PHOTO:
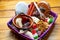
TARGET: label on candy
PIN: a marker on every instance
(35, 19)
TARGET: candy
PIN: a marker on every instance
(35, 34)
(42, 25)
(21, 7)
(35, 19)
(19, 22)
(21, 31)
(28, 33)
(46, 24)
(34, 26)
(33, 31)
(49, 20)
(36, 29)
(40, 28)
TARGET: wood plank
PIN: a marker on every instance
(11, 4)
(7, 35)
(3, 23)
(7, 13)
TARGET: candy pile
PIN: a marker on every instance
(40, 16)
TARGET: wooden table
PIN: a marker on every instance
(7, 12)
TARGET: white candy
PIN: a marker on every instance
(19, 22)
(35, 19)
(29, 34)
(36, 29)
(21, 31)
(21, 7)
(35, 34)
(48, 19)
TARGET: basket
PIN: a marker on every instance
(15, 30)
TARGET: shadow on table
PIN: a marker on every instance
(15, 37)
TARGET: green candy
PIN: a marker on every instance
(50, 20)
(36, 37)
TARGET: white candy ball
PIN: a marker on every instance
(29, 34)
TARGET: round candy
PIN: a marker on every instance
(51, 20)
(34, 26)
(33, 31)
(35, 36)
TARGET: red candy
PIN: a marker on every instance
(34, 26)
(33, 31)
(45, 20)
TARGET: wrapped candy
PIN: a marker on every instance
(28, 33)
(19, 22)
(21, 7)
(35, 19)
(34, 26)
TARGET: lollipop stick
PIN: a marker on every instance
(41, 14)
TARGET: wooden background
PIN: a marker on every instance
(7, 12)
